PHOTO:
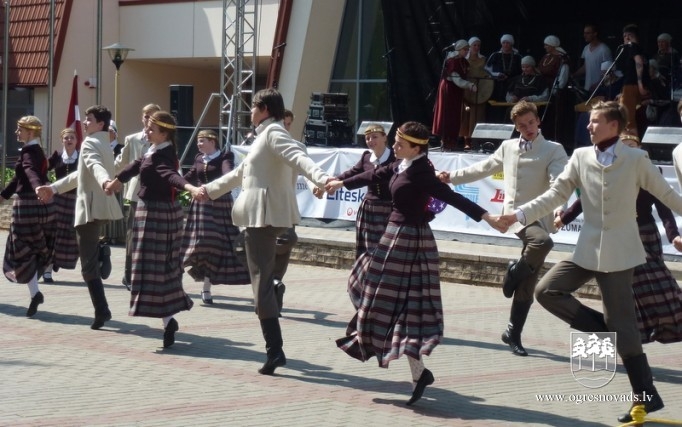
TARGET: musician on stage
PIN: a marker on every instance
(529, 86)
(555, 70)
(475, 103)
(503, 66)
(449, 107)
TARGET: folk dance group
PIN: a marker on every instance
(394, 284)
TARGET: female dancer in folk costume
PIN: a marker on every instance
(30, 240)
(65, 246)
(209, 237)
(375, 208)
(658, 298)
(398, 300)
(156, 277)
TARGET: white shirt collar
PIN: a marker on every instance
(209, 157)
(69, 159)
(607, 156)
(154, 148)
(35, 141)
(113, 143)
(384, 156)
(406, 163)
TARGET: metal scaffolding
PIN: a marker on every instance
(238, 65)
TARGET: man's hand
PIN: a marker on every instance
(44, 193)
(444, 177)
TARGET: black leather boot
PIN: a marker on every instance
(99, 302)
(517, 319)
(279, 289)
(104, 261)
(589, 320)
(642, 382)
(273, 345)
(517, 271)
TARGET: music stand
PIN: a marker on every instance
(660, 142)
(493, 134)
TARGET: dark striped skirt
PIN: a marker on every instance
(370, 225)
(399, 308)
(114, 231)
(65, 244)
(30, 240)
(208, 245)
(658, 298)
(156, 274)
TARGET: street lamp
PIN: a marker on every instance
(118, 53)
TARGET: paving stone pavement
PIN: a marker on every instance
(56, 371)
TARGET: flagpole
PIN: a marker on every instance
(5, 95)
(50, 83)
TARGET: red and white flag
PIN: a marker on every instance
(73, 118)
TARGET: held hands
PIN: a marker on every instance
(558, 223)
(198, 193)
(111, 187)
(44, 193)
(494, 222)
(333, 184)
(509, 219)
(443, 176)
(677, 243)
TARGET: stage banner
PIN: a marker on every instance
(488, 192)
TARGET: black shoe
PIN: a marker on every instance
(169, 333)
(105, 261)
(99, 320)
(125, 282)
(272, 363)
(425, 379)
(650, 406)
(33, 307)
(47, 277)
(514, 344)
(206, 297)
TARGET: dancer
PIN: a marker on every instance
(208, 240)
(398, 302)
(30, 241)
(94, 207)
(66, 246)
(156, 273)
(658, 298)
(134, 147)
(530, 164)
(267, 207)
(609, 176)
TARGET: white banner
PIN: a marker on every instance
(488, 192)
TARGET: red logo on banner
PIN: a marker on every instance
(498, 197)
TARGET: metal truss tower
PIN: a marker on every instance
(238, 65)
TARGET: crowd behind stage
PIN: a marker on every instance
(475, 88)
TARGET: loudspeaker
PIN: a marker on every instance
(182, 104)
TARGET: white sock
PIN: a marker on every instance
(207, 284)
(166, 320)
(416, 368)
(33, 285)
(48, 269)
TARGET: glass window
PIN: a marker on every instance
(360, 66)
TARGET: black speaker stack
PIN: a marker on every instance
(328, 122)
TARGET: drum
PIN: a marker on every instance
(485, 87)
